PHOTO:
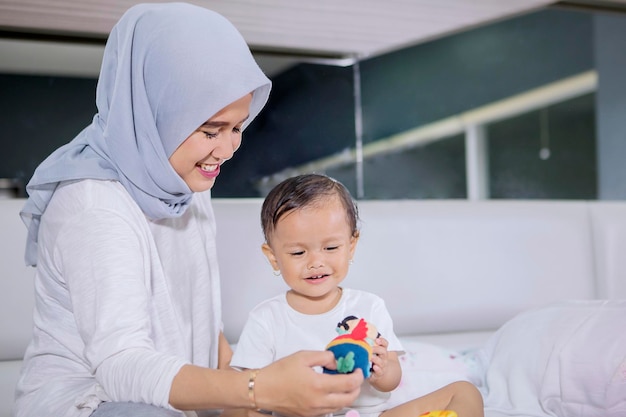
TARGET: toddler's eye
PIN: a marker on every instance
(330, 248)
(297, 253)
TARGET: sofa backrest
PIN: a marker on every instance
(441, 266)
(609, 234)
(16, 283)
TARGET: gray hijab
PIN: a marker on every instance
(167, 68)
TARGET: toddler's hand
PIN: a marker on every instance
(379, 358)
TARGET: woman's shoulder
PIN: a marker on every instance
(93, 186)
(78, 197)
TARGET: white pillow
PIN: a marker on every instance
(567, 359)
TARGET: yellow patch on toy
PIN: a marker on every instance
(439, 413)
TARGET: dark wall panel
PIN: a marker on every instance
(37, 115)
(428, 82)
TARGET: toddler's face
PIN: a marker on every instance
(312, 247)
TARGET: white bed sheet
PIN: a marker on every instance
(434, 360)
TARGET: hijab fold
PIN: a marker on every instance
(167, 68)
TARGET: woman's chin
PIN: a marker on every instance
(202, 185)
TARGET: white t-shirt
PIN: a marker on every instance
(275, 330)
(122, 302)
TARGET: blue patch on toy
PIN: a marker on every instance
(350, 355)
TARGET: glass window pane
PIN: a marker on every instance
(435, 170)
(567, 130)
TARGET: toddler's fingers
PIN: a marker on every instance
(381, 341)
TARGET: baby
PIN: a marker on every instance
(310, 224)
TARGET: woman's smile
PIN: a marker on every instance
(209, 170)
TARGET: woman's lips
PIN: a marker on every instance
(209, 170)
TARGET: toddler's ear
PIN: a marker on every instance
(353, 242)
(269, 254)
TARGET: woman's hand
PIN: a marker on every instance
(291, 386)
(386, 371)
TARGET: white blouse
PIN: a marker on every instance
(122, 302)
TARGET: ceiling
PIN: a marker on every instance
(279, 31)
(65, 37)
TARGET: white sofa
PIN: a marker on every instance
(451, 272)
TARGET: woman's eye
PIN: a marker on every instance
(210, 135)
(236, 130)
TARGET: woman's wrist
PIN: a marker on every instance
(251, 388)
(197, 388)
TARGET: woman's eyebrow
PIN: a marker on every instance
(218, 123)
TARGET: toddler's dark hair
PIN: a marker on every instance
(304, 191)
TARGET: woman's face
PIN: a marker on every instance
(198, 159)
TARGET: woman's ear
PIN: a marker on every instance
(269, 254)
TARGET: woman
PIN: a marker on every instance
(127, 315)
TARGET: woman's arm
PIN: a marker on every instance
(100, 255)
(225, 353)
(288, 386)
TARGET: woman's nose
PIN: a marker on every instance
(227, 147)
